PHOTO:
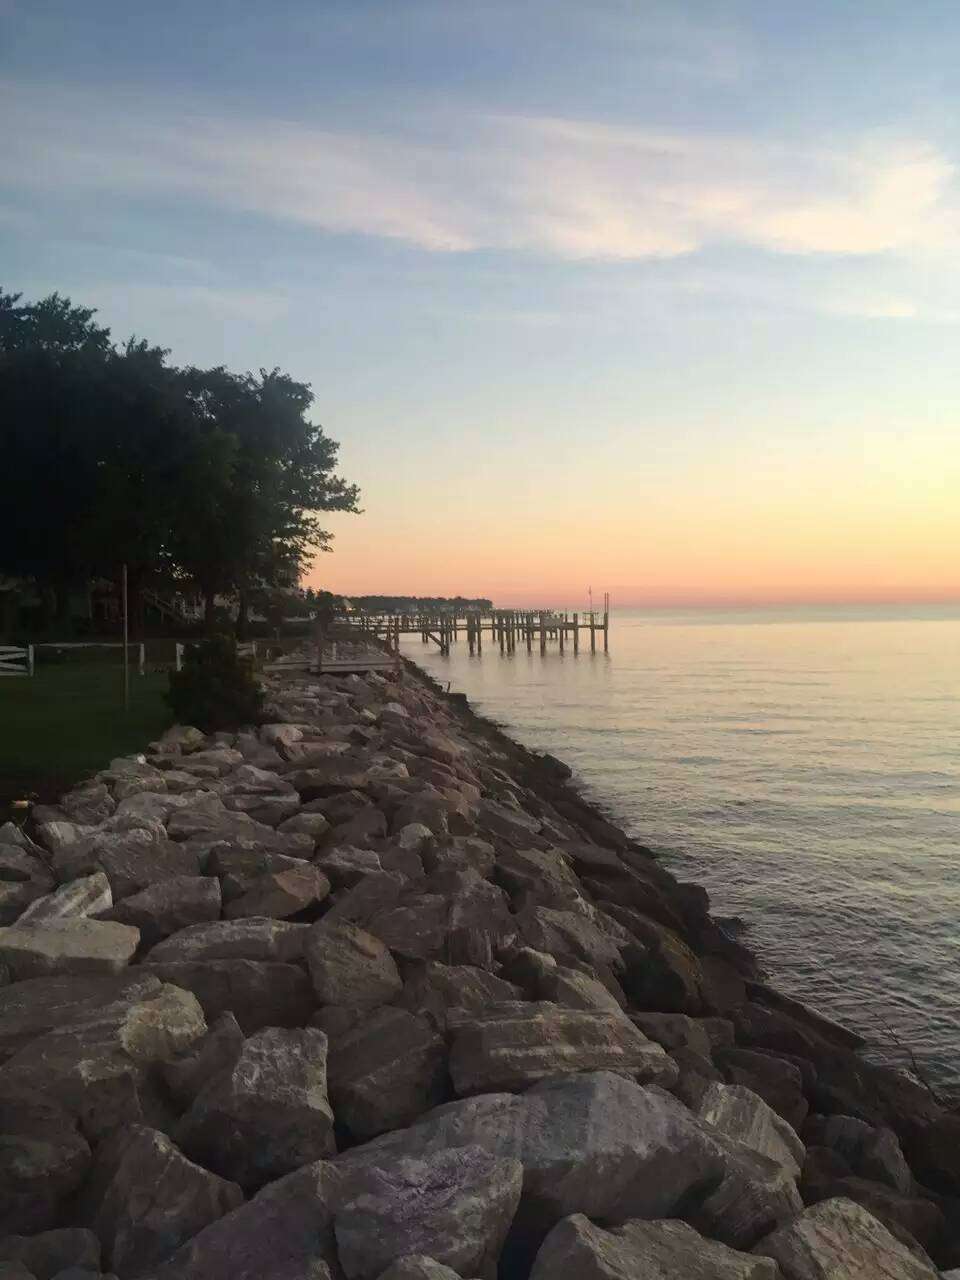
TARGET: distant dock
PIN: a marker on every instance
(503, 629)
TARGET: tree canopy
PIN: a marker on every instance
(113, 455)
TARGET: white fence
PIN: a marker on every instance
(16, 662)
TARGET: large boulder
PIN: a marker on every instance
(454, 1206)
(248, 939)
(595, 1143)
(514, 1045)
(257, 994)
(284, 1233)
(76, 945)
(43, 1161)
(839, 1240)
(132, 864)
(754, 1195)
(741, 1114)
(437, 990)
(576, 1249)
(416, 1266)
(585, 935)
(99, 1063)
(31, 1008)
(385, 1071)
(168, 906)
(375, 893)
(416, 930)
(146, 1198)
(268, 1114)
(280, 894)
(777, 1080)
(349, 966)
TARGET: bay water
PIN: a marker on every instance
(801, 764)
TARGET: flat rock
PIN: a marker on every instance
(839, 1240)
(416, 930)
(754, 1196)
(675, 1031)
(576, 1249)
(774, 1079)
(285, 1232)
(315, 825)
(135, 865)
(269, 1114)
(50, 1252)
(577, 990)
(250, 939)
(16, 897)
(349, 966)
(169, 906)
(146, 1199)
(573, 936)
(743, 1115)
(43, 1160)
(192, 1069)
(280, 894)
(519, 1044)
(88, 896)
(67, 946)
(258, 994)
(385, 1071)
(18, 864)
(454, 1206)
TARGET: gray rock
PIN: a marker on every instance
(43, 1160)
(15, 898)
(375, 893)
(49, 1253)
(872, 1153)
(257, 994)
(146, 1199)
(508, 824)
(190, 1071)
(17, 1271)
(538, 877)
(385, 1071)
(280, 894)
(573, 936)
(480, 924)
(18, 865)
(31, 1008)
(67, 946)
(269, 1114)
(754, 1195)
(179, 739)
(777, 1081)
(99, 1065)
(454, 1206)
(57, 834)
(250, 939)
(515, 1045)
(133, 865)
(284, 1233)
(415, 1266)
(839, 1240)
(347, 866)
(741, 1114)
(88, 896)
(240, 869)
(350, 967)
(434, 990)
(169, 906)
(596, 1143)
(675, 1031)
(315, 825)
(464, 853)
(576, 1249)
(577, 990)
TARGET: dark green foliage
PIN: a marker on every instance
(216, 689)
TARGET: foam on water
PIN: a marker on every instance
(804, 766)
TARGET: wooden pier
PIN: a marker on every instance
(505, 629)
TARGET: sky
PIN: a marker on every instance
(655, 298)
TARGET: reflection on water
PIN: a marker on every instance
(804, 766)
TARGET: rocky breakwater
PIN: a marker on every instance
(371, 993)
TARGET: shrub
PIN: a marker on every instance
(216, 688)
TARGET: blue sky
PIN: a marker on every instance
(657, 296)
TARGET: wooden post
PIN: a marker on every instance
(593, 632)
(606, 622)
(30, 659)
(543, 634)
(561, 624)
(178, 655)
(576, 633)
(141, 659)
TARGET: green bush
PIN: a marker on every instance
(216, 688)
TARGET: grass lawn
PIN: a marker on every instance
(68, 721)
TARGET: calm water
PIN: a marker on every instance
(804, 766)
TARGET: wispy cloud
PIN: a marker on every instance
(563, 188)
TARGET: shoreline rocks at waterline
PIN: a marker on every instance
(370, 992)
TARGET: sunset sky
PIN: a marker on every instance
(658, 298)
